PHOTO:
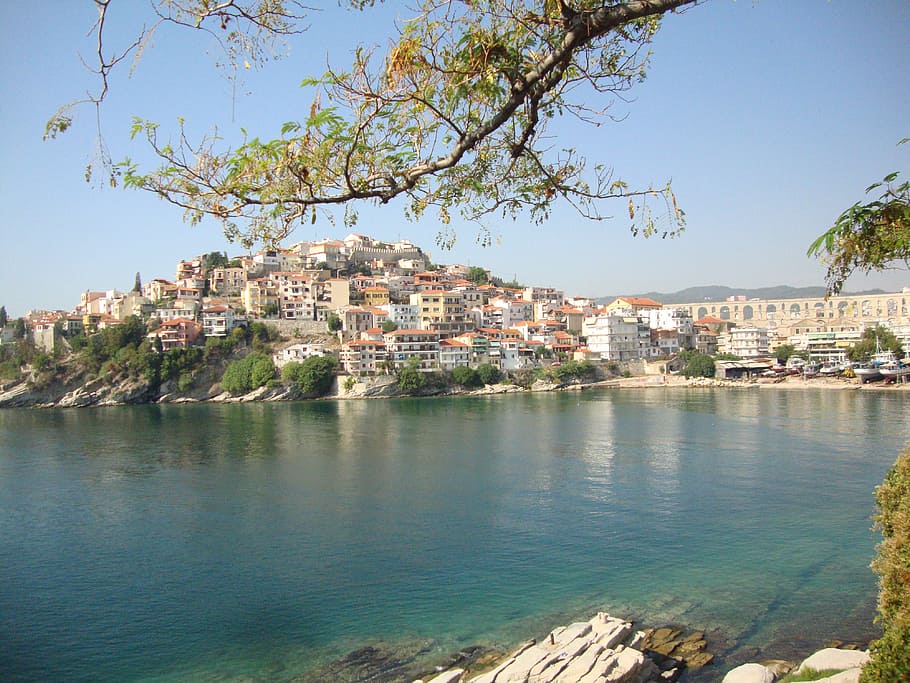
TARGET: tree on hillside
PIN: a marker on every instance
(867, 237)
(3, 316)
(333, 322)
(137, 283)
(454, 118)
(312, 377)
(477, 275)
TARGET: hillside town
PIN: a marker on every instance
(377, 307)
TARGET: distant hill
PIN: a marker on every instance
(720, 293)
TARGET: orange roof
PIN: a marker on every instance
(364, 342)
(452, 342)
(639, 301)
(709, 320)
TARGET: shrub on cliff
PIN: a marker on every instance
(410, 378)
(252, 372)
(891, 654)
(466, 377)
(489, 374)
(312, 377)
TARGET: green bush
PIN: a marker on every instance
(312, 377)
(410, 378)
(891, 653)
(466, 377)
(489, 374)
(261, 371)
(252, 372)
(699, 365)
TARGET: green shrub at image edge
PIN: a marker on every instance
(891, 653)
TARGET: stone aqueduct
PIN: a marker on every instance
(868, 308)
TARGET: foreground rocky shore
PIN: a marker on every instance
(610, 650)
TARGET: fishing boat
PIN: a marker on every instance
(830, 369)
(873, 369)
(894, 369)
(866, 372)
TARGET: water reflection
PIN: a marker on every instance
(270, 530)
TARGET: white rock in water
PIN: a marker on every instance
(749, 673)
(833, 658)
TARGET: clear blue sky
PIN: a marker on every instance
(771, 117)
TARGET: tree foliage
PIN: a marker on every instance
(699, 365)
(891, 653)
(477, 275)
(783, 352)
(311, 377)
(489, 374)
(466, 377)
(244, 375)
(867, 237)
(455, 118)
(573, 370)
(3, 316)
(410, 378)
(333, 322)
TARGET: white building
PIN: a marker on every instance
(296, 353)
(614, 337)
(748, 342)
(405, 316)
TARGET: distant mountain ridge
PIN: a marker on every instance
(717, 293)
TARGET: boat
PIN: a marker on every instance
(866, 371)
(873, 368)
(810, 369)
(830, 369)
(894, 369)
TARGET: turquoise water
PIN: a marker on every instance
(221, 542)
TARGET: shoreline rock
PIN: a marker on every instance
(604, 648)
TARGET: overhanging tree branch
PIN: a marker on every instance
(456, 117)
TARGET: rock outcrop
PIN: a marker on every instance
(604, 649)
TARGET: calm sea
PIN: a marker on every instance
(261, 541)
